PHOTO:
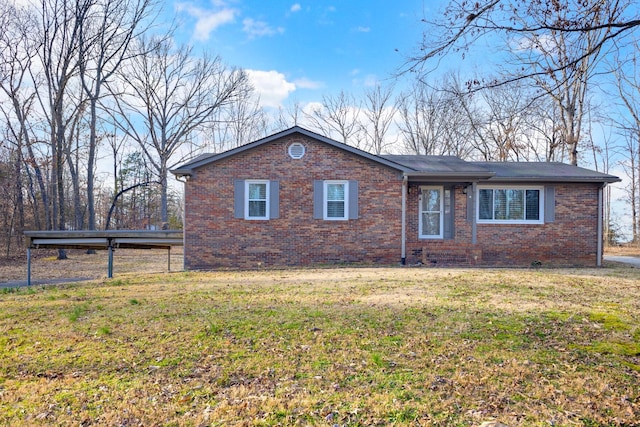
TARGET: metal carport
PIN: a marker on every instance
(101, 240)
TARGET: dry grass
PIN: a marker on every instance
(45, 265)
(368, 346)
(624, 250)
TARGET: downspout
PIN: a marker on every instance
(405, 185)
(187, 178)
(474, 230)
(600, 219)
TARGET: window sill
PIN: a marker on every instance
(510, 222)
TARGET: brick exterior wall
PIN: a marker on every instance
(214, 238)
(570, 240)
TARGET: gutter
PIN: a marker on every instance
(557, 179)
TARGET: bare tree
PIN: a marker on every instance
(546, 127)
(506, 128)
(627, 73)
(435, 120)
(60, 94)
(338, 118)
(17, 52)
(167, 96)
(104, 39)
(557, 45)
(288, 117)
(421, 124)
(630, 166)
(567, 86)
(242, 121)
(465, 23)
(379, 108)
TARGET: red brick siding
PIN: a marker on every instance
(571, 240)
(214, 238)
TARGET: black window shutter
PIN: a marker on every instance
(238, 198)
(549, 203)
(318, 199)
(274, 199)
(353, 200)
(471, 198)
(448, 199)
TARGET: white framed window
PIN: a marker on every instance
(256, 199)
(336, 200)
(510, 205)
(431, 204)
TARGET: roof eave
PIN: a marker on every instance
(181, 172)
(450, 176)
(592, 180)
(188, 168)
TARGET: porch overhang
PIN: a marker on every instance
(458, 177)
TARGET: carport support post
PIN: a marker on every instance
(29, 266)
(169, 258)
(110, 266)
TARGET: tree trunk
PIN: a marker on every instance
(164, 199)
(91, 160)
(59, 178)
(44, 195)
(19, 196)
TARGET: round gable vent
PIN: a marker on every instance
(296, 150)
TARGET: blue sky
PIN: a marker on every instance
(297, 51)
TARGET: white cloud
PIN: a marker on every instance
(295, 7)
(305, 83)
(272, 87)
(259, 28)
(362, 29)
(310, 107)
(543, 43)
(371, 80)
(207, 21)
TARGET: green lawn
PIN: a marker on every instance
(357, 346)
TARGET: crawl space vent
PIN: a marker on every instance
(296, 150)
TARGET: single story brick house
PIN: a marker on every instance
(298, 198)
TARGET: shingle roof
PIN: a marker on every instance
(440, 166)
(444, 168)
(451, 167)
(544, 172)
(188, 168)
